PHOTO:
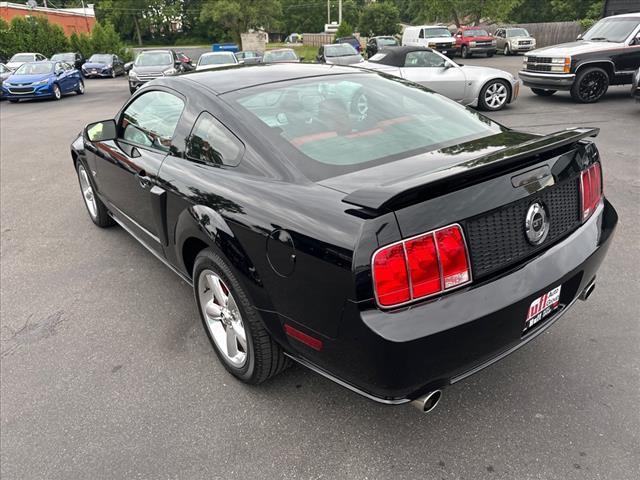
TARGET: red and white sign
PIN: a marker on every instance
(542, 306)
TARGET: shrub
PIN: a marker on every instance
(380, 18)
(344, 30)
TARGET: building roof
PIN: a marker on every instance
(84, 12)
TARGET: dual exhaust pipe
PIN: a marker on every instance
(427, 402)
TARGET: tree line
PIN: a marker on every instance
(205, 21)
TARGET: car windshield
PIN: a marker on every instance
(517, 32)
(475, 33)
(22, 57)
(35, 68)
(64, 57)
(147, 59)
(612, 29)
(436, 32)
(280, 56)
(101, 58)
(217, 59)
(333, 125)
(387, 42)
(340, 50)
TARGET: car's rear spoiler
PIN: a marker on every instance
(387, 195)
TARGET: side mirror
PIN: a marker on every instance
(128, 66)
(579, 37)
(101, 131)
(59, 72)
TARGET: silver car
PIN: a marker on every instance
(514, 40)
(481, 87)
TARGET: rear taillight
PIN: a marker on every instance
(421, 266)
(590, 190)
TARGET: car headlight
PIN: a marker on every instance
(494, 42)
(133, 74)
(41, 82)
(472, 44)
(170, 71)
(561, 64)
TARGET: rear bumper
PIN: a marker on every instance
(395, 356)
(547, 81)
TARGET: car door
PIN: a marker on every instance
(61, 76)
(627, 60)
(118, 65)
(500, 38)
(128, 166)
(430, 69)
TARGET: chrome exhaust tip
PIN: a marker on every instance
(428, 402)
(586, 293)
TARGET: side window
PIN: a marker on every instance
(210, 142)
(151, 119)
(423, 59)
(421, 33)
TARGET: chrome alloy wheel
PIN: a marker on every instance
(496, 95)
(87, 192)
(222, 318)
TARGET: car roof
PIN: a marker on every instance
(209, 54)
(245, 76)
(281, 50)
(394, 56)
(471, 27)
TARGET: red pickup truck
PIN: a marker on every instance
(470, 40)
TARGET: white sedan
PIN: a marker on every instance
(216, 60)
(481, 87)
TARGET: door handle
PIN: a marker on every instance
(143, 180)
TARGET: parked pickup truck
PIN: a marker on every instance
(607, 54)
(470, 40)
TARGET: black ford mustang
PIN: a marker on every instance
(364, 226)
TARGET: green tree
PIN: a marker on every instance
(380, 18)
(34, 34)
(238, 16)
(344, 30)
(463, 12)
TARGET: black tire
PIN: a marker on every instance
(13, 100)
(482, 102)
(264, 357)
(101, 217)
(489, 54)
(542, 92)
(57, 93)
(590, 85)
(507, 50)
(464, 52)
(80, 88)
(132, 90)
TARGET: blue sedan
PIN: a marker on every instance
(42, 80)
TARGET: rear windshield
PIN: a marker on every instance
(387, 42)
(64, 57)
(343, 123)
(279, 56)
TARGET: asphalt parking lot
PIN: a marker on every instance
(107, 373)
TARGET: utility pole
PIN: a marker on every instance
(328, 12)
(339, 12)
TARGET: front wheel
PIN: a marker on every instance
(57, 93)
(494, 95)
(232, 324)
(80, 88)
(507, 51)
(590, 85)
(465, 52)
(113, 73)
(542, 92)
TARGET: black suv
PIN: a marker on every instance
(607, 54)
